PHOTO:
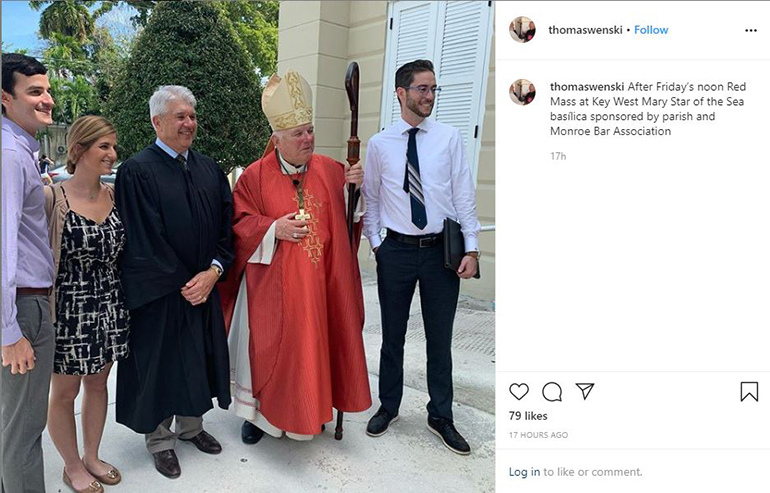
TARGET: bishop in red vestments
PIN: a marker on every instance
(293, 303)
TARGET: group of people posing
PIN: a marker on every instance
(251, 296)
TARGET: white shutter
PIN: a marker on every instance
(457, 37)
(411, 37)
(462, 67)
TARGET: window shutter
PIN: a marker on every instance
(462, 65)
(412, 38)
(456, 36)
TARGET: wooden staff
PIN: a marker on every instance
(354, 146)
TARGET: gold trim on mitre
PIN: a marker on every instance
(287, 102)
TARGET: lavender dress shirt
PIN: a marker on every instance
(27, 256)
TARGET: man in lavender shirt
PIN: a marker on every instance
(27, 273)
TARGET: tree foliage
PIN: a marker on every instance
(255, 23)
(142, 8)
(8, 48)
(65, 57)
(68, 17)
(74, 97)
(257, 26)
(79, 57)
(194, 45)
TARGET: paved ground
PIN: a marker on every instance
(408, 458)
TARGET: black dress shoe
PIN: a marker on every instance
(167, 464)
(379, 423)
(250, 434)
(445, 429)
(205, 443)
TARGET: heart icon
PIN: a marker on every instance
(518, 390)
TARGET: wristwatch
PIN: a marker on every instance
(217, 269)
(474, 254)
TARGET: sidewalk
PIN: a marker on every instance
(408, 458)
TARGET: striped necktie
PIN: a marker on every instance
(181, 159)
(412, 182)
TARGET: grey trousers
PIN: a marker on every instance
(163, 438)
(25, 401)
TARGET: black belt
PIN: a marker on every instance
(422, 241)
(33, 291)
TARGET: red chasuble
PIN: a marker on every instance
(306, 310)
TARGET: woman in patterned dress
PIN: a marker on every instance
(91, 321)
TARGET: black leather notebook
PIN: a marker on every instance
(454, 246)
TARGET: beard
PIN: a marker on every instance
(413, 105)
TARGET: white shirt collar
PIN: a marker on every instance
(404, 127)
(287, 167)
(171, 152)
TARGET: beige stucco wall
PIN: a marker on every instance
(319, 39)
(313, 38)
(485, 193)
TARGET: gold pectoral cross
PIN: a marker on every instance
(302, 216)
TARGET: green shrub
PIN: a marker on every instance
(193, 45)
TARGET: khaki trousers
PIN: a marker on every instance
(164, 439)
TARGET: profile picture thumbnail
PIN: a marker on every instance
(522, 29)
(522, 92)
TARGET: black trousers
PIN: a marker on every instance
(399, 268)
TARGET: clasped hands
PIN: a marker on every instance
(294, 230)
(289, 229)
(197, 289)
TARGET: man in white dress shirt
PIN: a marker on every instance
(417, 175)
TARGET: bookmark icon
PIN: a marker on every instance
(750, 389)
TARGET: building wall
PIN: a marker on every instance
(54, 139)
(485, 194)
(319, 39)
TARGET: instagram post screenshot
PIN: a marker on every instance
(633, 246)
(260, 246)
(248, 246)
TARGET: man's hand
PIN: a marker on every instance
(354, 175)
(468, 267)
(289, 229)
(197, 289)
(19, 356)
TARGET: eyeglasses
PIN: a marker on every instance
(423, 90)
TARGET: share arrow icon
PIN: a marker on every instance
(585, 388)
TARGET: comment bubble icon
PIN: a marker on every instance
(552, 392)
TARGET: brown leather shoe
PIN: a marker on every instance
(112, 477)
(167, 464)
(94, 487)
(205, 443)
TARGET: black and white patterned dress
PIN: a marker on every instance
(91, 317)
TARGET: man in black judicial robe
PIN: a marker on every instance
(176, 206)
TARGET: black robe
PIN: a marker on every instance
(176, 223)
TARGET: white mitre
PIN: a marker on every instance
(287, 102)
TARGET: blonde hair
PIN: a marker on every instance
(83, 134)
